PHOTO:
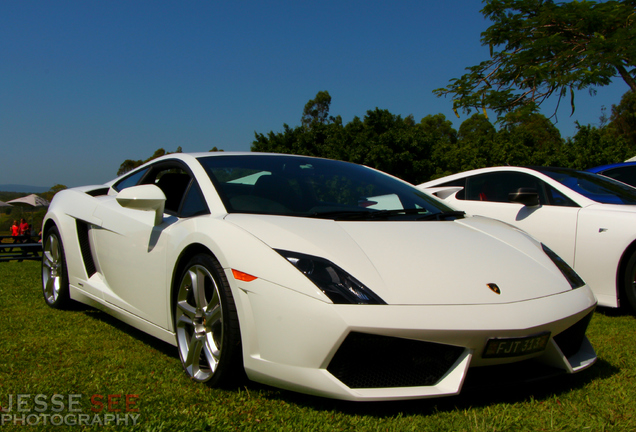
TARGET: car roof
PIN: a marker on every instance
(602, 168)
(480, 171)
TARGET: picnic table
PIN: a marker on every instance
(20, 248)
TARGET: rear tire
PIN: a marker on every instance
(54, 271)
(629, 283)
(206, 324)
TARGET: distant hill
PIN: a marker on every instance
(23, 188)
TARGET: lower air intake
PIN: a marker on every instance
(570, 340)
(373, 361)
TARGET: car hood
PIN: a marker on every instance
(421, 262)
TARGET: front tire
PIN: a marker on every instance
(54, 271)
(629, 282)
(206, 324)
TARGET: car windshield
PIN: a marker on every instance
(313, 187)
(593, 186)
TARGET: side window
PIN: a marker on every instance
(497, 186)
(626, 174)
(173, 181)
(129, 181)
(556, 198)
(194, 203)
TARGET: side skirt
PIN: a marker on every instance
(122, 315)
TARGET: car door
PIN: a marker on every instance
(131, 249)
(553, 221)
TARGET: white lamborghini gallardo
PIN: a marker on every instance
(314, 275)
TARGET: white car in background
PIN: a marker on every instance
(587, 219)
(314, 275)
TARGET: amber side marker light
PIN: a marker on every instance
(239, 275)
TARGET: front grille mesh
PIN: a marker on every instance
(374, 361)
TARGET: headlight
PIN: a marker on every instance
(571, 276)
(334, 282)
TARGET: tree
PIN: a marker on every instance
(623, 120)
(439, 128)
(381, 140)
(593, 146)
(475, 139)
(158, 153)
(390, 143)
(539, 48)
(317, 110)
(527, 138)
(443, 138)
(51, 192)
(130, 164)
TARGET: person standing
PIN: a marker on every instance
(15, 231)
(24, 227)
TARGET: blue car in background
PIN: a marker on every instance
(623, 171)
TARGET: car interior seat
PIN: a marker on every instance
(174, 186)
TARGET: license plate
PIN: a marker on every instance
(514, 347)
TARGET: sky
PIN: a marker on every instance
(85, 85)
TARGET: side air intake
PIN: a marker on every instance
(85, 247)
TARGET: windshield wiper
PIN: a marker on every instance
(448, 215)
(383, 214)
(365, 214)
(396, 212)
(342, 214)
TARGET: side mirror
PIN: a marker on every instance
(526, 196)
(144, 197)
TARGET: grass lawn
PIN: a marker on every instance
(88, 354)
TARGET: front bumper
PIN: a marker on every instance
(296, 342)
